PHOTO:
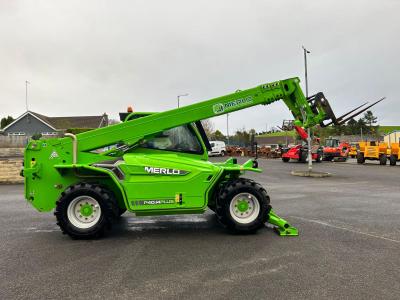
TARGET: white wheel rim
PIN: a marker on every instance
(84, 212)
(244, 213)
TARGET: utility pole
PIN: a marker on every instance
(227, 128)
(308, 129)
(183, 95)
(26, 94)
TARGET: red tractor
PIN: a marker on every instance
(335, 150)
(300, 152)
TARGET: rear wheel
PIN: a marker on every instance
(383, 159)
(243, 206)
(360, 158)
(85, 210)
(285, 159)
(222, 153)
(393, 160)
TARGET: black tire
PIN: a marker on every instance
(222, 153)
(104, 198)
(318, 159)
(360, 158)
(303, 156)
(383, 159)
(285, 159)
(393, 160)
(121, 211)
(227, 194)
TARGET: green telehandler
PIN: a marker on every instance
(157, 164)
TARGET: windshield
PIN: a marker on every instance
(331, 143)
(179, 139)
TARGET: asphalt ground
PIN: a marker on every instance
(348, 248)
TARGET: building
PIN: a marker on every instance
(31, 123)
(392, 137)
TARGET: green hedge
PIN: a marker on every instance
(78, 130)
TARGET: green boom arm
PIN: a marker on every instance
(307, 114)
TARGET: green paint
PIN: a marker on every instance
(86, 210)
(242, 205)
(45, 172)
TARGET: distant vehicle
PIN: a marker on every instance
(300, 152)
(372, 150)
(353, 150)
(218, 148)
(336, 150)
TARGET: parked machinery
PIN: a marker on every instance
(335, 150)
(394, 153)
(372, 150)
(353, 150)
(300, 152)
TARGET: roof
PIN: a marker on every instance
(60, 123)
(73, 122)
(391, 132)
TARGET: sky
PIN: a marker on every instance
(91, 57)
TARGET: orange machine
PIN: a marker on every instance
(334, 149)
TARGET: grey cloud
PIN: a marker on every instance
(90, 57)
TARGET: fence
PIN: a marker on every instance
(13, 141)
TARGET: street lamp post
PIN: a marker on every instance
(26, 93)
(308, 129)
(182, 95)
(227, 129)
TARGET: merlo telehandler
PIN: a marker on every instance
(157, 164)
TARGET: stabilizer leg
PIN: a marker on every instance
(283, 228)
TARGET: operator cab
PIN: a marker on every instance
(190, 138)
(333, 143)
(178, 139)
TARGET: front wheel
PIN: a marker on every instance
(285, 159)
(222, 153)
(383, 159)
(85, 210)
(392, 160)
(243, 206)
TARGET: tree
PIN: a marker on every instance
(6, 121)
(208, 127)
(241, 138)
(218, 136)
(362, 126)
(370, 119)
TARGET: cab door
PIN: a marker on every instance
(168, 172)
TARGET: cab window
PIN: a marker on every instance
(178, 139)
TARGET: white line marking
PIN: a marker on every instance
(346, 229)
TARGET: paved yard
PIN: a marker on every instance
(348, 248)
